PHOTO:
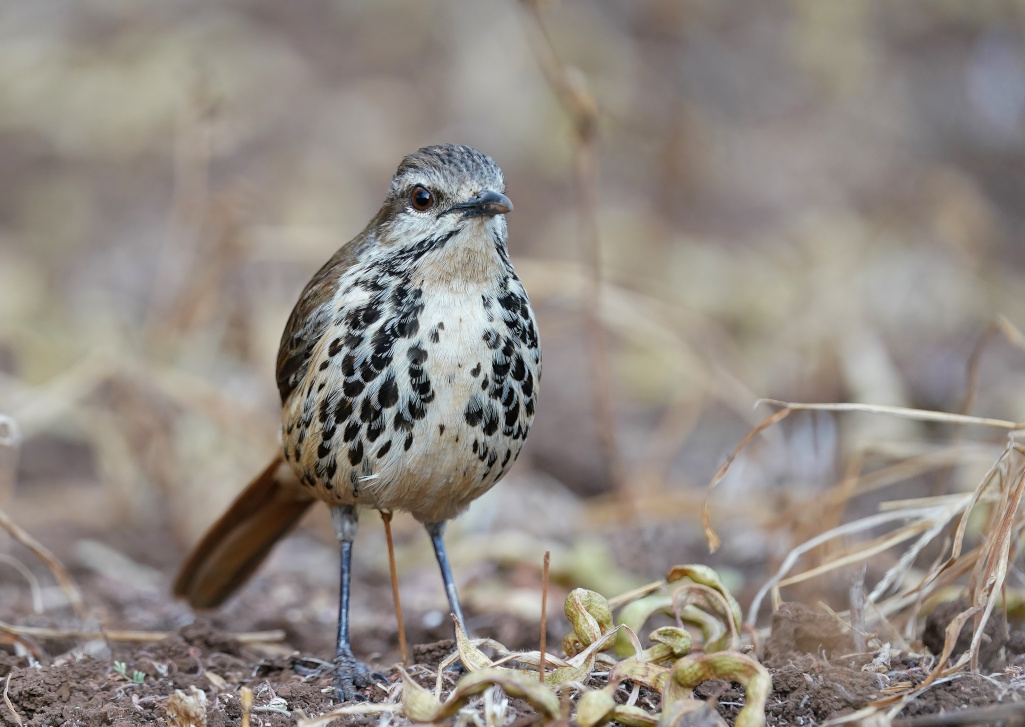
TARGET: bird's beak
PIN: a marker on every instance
(486, 203)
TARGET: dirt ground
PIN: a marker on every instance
(53, 681)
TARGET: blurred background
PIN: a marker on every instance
(802, 200)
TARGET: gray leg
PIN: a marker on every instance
(436, 531)
(350, 674)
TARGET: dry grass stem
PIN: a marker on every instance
(923, 415)
(40, 632)
(923, 521)
(28, 575)
(1009, 715)
(350, 711)
(930, 519)
(706, 517)
(386, 517)
(971, 389)
(544, 615)
(990, 572)
(837, 496)
(7, 700)
(60, 573)
(897, 702)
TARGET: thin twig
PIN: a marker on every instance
(1009, 714)
(348, 711)
(386, 516)
(39, 632)
(67, 585)
(9, 703)
(544, 615)
(706, 517)
(988, 579)
(924, 415)
(864, 524)
(968, 400)
(28, 644)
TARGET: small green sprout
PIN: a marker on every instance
(121, 669)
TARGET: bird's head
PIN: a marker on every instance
(439, 191)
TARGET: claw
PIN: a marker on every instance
(365, 678)
(351, 675)
(341, 695)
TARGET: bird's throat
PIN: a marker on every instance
(471, 258)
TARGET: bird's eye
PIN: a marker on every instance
(421, 199)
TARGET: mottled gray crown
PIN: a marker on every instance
(449, 167)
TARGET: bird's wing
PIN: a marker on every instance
(311, 316)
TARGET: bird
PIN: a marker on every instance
(408, 372)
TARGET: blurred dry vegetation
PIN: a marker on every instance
(814, 201)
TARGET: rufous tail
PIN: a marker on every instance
(235, 545)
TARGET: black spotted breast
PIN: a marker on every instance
(421, 390)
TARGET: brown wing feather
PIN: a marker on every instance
(241, 539)
(311, 315)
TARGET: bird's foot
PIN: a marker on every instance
(456, 670)
(351, 676)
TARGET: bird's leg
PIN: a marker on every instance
(437, 531)
(350, 674)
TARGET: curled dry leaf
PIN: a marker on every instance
(690, 671)
(472, 658)
(599, 706)
(590, 616)
(420, 705)
(719, 633)
(691, 713)
(705, 576)
(703, 601)
(577, 668)
(641, 672)
(635, 614)
(663, 667)
(671, 643)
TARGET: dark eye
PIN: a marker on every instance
(421, 199)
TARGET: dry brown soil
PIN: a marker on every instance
(815, 673)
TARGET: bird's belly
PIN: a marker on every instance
(425, 421)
